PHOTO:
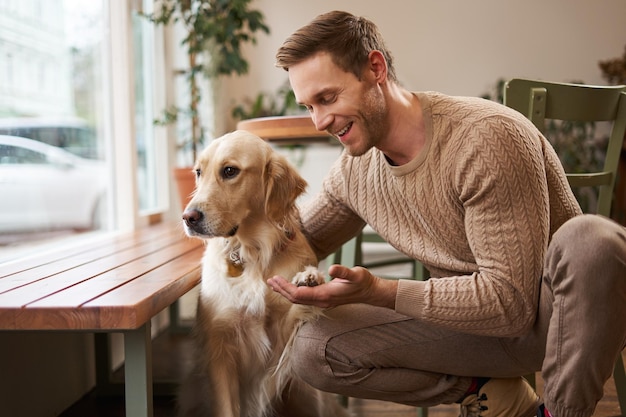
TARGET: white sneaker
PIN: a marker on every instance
(502, 397)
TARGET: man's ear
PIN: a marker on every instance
(378, 66)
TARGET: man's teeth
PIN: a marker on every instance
(344, 130)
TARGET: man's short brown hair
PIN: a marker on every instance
(347, 38)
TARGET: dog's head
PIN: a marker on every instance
(239, 180)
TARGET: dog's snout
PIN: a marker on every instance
(192, 216)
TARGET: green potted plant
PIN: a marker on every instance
(281, 103)
(614, 70)
(215, 31)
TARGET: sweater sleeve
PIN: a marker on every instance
(498, 176)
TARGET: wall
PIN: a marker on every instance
(460, 47)
(455, 47)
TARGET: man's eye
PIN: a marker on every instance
(328, 100)
(229, 172)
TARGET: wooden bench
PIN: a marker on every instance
(115, 284)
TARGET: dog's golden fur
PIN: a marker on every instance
(244, 207)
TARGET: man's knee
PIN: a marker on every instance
(589, 239)
(309, 358)
(586, 248)
(317, 362)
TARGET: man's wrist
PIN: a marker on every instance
(385, 294)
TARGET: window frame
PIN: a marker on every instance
(122, 129)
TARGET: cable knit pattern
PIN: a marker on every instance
(477, 206)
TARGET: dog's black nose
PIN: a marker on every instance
(192, 216)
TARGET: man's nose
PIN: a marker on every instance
(321, 120)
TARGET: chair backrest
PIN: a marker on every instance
(540, 100)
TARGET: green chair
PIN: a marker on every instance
(541, 100)
(354, 253)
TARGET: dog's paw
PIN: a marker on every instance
(310, 277)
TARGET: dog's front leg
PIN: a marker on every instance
(226, 387)
(216, 357)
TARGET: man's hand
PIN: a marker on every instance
(355, 285)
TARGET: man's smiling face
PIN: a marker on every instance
(352, 110)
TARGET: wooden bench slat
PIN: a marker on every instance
(102, 245)
(135, 292)
(69, 258)
(163, 292)
(117, 284)
(88, 290)
(123, 308)
(46, 279)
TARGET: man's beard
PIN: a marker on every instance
(373, 116)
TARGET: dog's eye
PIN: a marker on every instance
(230, 172)
(198, 172)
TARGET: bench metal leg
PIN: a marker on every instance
(138, 372)
(103, 361)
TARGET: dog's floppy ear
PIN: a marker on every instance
(284, 185)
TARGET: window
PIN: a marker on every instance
(150, 141)
(71, 112)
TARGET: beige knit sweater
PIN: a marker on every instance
(477, 207)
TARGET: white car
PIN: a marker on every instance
(43, 187)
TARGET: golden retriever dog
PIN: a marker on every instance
(244, 206)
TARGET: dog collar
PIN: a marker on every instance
(235, 264)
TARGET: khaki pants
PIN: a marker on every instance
(370, 352)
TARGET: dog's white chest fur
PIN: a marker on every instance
(231, 284)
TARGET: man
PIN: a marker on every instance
(521, 280)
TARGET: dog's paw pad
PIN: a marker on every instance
(310, 277)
